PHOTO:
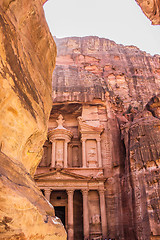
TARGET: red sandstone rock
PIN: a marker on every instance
(126, 80)
(88, 67)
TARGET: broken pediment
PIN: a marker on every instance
(87, 128)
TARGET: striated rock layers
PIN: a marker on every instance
(124, 83)
(27, 55)
(151, 9)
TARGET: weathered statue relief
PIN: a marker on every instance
(76, 156)
(59, 153)
(91, 153)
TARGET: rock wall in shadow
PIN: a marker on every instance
(27, 58)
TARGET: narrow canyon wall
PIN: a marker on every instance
(27, 58)
(127, 81)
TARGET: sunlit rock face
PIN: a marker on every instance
(91, 67)
(93, 71)
(151, 9)
(27, 57)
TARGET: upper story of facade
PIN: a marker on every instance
(77, 139)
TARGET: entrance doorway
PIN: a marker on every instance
(60, 212)
(59, 200)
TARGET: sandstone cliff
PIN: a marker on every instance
(127, 81)
(91, 67)
(27, 56)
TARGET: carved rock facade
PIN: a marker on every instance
(101, 158)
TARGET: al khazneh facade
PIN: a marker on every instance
(71, 173)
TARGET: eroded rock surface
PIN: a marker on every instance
(27, 56)
(91, 67)
(151, 9)
(92, 71)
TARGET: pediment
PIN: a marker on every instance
(59, 175)
(85, 127)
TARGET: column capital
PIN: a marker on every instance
(101, 191)
(67, 140)
(47, 193)
(84, 191)
(83, 139)
(70, 191)
(51, 137)
(98, 139)
(47, 190)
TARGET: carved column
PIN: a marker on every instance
(53, 154)
(99, 153)
(84, 153)
(70, 215)
(47, 193)
(65, 154)
(85, 214)
(103, 213)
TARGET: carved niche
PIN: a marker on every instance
(91, 148)
(59, 152)
(75, 155)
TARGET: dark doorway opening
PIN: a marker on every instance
(78, 215)
(60, 212)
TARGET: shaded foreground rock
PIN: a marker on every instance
(25, 213)
(27, 55)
